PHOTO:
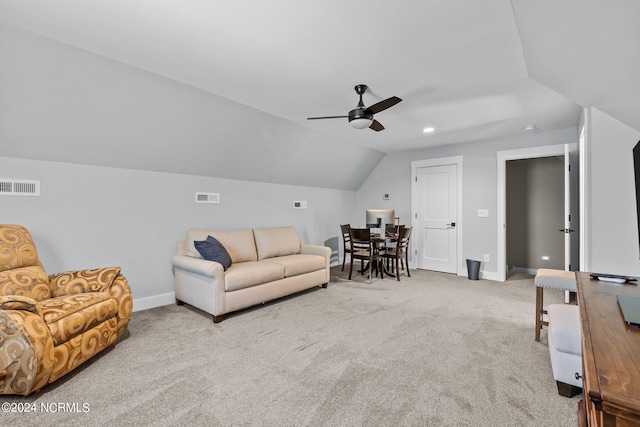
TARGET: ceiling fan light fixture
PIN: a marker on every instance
(361, 123)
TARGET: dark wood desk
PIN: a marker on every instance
(610, 356)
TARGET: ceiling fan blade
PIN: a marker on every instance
(327, 117)
(376, 125)
(382, 105)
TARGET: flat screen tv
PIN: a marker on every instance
(636, 168)
(377, 217)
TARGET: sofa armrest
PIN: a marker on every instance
(316, 250)
(17, 302)
(199, 266)
(322, 251)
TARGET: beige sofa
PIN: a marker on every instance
(267, 263)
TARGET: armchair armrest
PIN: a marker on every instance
(17, 302)
(106, 279)
(27, 348)
(82, 281)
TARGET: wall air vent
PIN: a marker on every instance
(207, 197)
(19, 187)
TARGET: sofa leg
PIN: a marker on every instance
(324, 285)
(217, 319)
(178, 302)
(567, 390)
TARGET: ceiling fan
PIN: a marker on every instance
(362, 117)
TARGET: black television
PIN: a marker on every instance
(636, 168)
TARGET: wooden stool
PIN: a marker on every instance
(553, 279)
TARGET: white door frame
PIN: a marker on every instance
(503, 157)
(443, 161)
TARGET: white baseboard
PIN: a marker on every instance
(154, 301)
(485, 275)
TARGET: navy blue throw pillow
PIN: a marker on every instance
(212, 250)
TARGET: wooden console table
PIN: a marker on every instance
(610, 356)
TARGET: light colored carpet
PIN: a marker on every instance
(432, 350)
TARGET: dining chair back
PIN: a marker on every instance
(362, 249)
(400, 253)
(346, 243)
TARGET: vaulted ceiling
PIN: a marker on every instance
(184, 86)
(458, 65)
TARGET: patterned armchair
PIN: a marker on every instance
(49, 325)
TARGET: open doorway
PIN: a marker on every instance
(569, 152)
(534, 215)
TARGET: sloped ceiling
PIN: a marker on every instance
(457, 64)
(586, 50)
(224, 88)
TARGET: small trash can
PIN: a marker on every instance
(473, 269)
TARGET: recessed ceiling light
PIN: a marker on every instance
(528, 128)
(428, 129)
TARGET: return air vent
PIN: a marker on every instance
(207, 197)
(19, 187)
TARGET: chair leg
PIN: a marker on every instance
(350, 268)
(407, 256)
(539, 298)
(344, 259)
(397, 269)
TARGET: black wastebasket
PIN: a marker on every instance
(473, 269)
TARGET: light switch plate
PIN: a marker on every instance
(483, 213)
(300, 204)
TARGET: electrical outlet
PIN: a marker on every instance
(487, 258)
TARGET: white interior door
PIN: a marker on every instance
(435, 221)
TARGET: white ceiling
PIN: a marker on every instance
(458, 65)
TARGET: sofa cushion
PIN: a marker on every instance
(247, 274)
(275, 242)
(240, 244)
(212, 250)
(31, 282)
(70, 315)
(295, 265)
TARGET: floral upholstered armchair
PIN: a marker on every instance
(49, 325)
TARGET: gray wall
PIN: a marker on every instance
(535, 213)
(479, 189)
(61, 103)
(612, 221)
(89, 216)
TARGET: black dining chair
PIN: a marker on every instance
(346, 243)
(400, 253)
(363, 249)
